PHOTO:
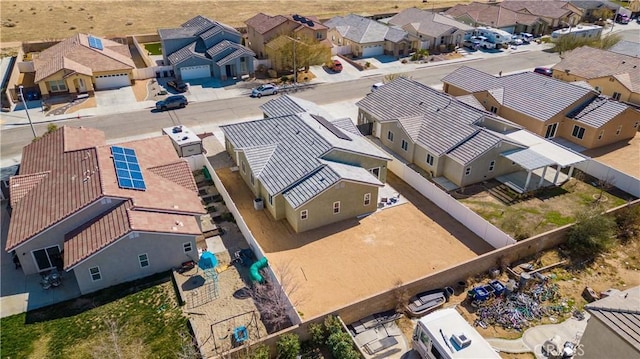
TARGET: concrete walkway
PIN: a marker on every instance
(533, 338)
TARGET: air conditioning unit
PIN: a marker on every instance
(461, 340)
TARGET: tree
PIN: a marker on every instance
(308, 51)
(602, 14)
(288, 346)
(592, 233)
(114, 344)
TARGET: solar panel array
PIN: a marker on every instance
(95, 43)
(128, 170)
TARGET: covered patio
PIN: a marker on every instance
(542, 163)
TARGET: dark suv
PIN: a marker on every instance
(171, 102)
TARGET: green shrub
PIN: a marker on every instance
(288, 346)
(261, 352)
(593, 233)
(317, 334)
(339, 342)
(628, 223)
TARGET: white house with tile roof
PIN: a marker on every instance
(105, 214)
(457, 143)
(308, 170)
(204, 48)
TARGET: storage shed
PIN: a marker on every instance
(185, 141)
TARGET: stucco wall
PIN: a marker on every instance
(420, 160)
(320, 209)
(599, 341)
(55, 234)
(119, 262)
(398, 135)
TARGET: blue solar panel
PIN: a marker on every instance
(127, 168)
(95, 43)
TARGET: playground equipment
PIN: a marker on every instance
(254, 270)
(209, 290)
(235, 331)
(240, 335)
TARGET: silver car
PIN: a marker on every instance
(264, 90)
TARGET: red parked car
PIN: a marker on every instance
(337, 66)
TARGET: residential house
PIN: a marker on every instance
(366, 37)
(612, 74)
(456, 142)
(573, 114)
(262, 29)
(554, 13)
(625, 47)
(428, 30)
(82, 64)
(593, 10)
(307, 169)
(613, 330)
(492, 15)
(103, 214)
(202, 48)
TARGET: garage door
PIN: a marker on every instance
(371, 51)
(105, 82)
(195, 72)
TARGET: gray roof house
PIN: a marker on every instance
(366, 37)
(202, 48)
(307, 169)
(456, 143)
(614, 327)
(427, 29)
(572, 114)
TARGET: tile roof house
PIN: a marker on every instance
(456, 143)
(613, 74)
(588, 9)
(492, 15)
(572, 114)
(614, 327)
(103, 214)
(263, 30)
(367, 37)
(83, 63)
(554, 13)
(307, 169)
(427, 30)
(203, 48)
(624, 47)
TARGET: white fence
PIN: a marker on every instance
(478, 225)
(197, 162)
(340, 50)
(618, 179)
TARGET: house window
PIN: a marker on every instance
(578, 132)
(244, 169)
(304, 214)
(635, 125)
(270, 200)
(616, 96)
(95, 273)
(597, 88)
(375, 171)
(492, 165)
(253, 181)
(618, 130)
(319, 35)
(336, 207)
(429, 159)
(467, 171)
(143, 259)
(390, 136)
(46, 258)
(405, 145)
(494, 109)
(601, 134)
(187, 247)
(367, 199)
(551, 130)
(57, 86)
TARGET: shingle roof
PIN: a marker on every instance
(594, 4)
(311, 186)
(177, 172)
(537, 96)
(471, 101)
(624, 47)
(591, 63)
(75, 55)
(262, 23)
(428, 23)
(491, 15)
(291, 105)
(362, 30)
(185, 53)
(81, 171)
(286, 150)
(21, 185)
(621, 313)
(474, 146)
(551, 9)
(598, 112)
(346, 124)
(236, 51)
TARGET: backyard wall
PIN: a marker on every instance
(474, 222)
(142, 51)
(618, 179)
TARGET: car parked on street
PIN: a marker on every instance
(517, 41)
(525, 37)
(172, 102)
(543, 71)
(264, 90)
(336, 66)
(178, 85)
(472, 44)
(485, 43)
(376, 86)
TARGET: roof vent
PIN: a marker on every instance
(461, 340)
(177, 129)
(296, 17)
(302, 19)
(310, 23)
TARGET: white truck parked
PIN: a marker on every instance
(499, 37)
(444, 334)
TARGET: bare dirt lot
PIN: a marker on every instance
(624, 157)
(345, 262)
(23, 20)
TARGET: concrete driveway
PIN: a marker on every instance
(115, 97)
(323, 74)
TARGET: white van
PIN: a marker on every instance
(376, 86)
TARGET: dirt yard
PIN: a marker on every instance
(21, 20)
(624, 157)
(345, 262)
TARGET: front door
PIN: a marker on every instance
(229, 70)
(47, 258)
(81, 85)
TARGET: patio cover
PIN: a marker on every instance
(540, 152)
